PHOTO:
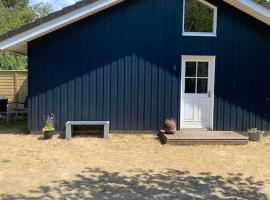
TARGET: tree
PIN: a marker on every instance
(14, 4)
(262, 1)
(13, 14)
(41, 9)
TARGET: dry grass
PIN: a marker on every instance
(130, 167)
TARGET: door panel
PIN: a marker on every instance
(189, 109)
(203, 109)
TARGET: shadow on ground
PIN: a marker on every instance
(172, 184)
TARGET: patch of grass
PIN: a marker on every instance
(18, 125)
(13, 121)
(5, 161)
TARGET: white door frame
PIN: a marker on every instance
(212, 63)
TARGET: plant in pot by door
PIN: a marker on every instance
(170, 126)
(255, 134)
(48, 129)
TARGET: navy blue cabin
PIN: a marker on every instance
(137, 63)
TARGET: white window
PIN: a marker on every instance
(199, 18)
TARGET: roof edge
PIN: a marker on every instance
(54, 24)
(259, 8)
(253, 9)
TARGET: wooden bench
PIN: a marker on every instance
(69, 125)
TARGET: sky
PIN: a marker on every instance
(57, 4)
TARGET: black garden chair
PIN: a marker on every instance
(4, 110)
(20, 108)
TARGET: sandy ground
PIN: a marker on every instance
(130, 167)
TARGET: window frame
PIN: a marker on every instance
(204, 34)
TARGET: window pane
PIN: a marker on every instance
(202, 84)
(202, 69)
(190, 85)
(191, 69)
(198, 17)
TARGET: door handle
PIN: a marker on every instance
(209, 94)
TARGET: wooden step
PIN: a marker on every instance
(203, 138)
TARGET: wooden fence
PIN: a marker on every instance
(14, 85)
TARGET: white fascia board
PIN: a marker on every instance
(259, 12)
(260, 9)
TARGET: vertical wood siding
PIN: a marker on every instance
(118, 65)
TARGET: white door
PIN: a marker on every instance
(197, 92)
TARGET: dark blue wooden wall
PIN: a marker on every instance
(118, 65)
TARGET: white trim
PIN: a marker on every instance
(251, 8)
(204, 34)
(257, 9)
(212, 62)
(201, 34)
(58, 23)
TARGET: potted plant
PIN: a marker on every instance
(255, 134)
(48, 129)
(170, 126)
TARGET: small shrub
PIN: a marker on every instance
(253, 130)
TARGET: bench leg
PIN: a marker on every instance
(106, 130)
(68, 131)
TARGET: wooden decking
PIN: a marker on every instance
(194, 137)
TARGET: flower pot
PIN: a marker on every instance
(256, 136)
(170, 129)
(48, 134)
(170, 126)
